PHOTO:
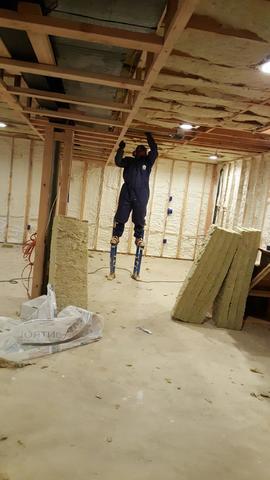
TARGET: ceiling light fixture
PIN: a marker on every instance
(214, 156)
(3, 125)
(265, 66)
(186, 126)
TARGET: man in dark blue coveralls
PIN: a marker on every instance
(134, 194)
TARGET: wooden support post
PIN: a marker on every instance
(66, 164)
(43, 215)
(28, 192)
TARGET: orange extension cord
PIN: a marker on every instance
(28, 250)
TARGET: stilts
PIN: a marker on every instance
(138, 260)
(113, 253)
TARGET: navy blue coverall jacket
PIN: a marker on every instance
(134, 194)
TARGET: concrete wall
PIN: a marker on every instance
(94, 191)
(244, 197)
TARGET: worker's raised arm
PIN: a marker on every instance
(152, 155)
(119, 160)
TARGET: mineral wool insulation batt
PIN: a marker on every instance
(229, 306)
(206, 276)
(68, 261)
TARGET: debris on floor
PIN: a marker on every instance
(11, 364)
(40, 332)
(255, 370)
(145, 330)
(261, 395)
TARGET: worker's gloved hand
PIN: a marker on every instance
(148, 134)
(122, 144)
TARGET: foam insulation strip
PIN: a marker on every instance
(37, 158)
(233, 194)
(229, 306)
(68, 261)
(21, 162)
(178, 193)
(5, 163)
(206, 276)
(159, 204)
(92, 200)
(192, 211)
(109, 197)
(242, 193)
(205, 218)
(75, 190)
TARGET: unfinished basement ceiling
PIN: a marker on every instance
(212, 79)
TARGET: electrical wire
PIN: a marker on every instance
(28, 250)
(14, 281)
(142, 281)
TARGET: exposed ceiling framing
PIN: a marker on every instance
(180, 72)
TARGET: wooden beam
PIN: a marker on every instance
(71, 74)
(82, 31)
(73, 115)
(66, 164)
(210, 24)
(14, 104)
(62, 97)
(40, 41)
(177, 25)
(43, 214)
(83, 130)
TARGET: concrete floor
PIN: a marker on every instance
(174, 405)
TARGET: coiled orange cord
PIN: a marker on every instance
(28, 250)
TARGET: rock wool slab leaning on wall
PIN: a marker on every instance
(68, 261)
(229, 306)
(206, 276)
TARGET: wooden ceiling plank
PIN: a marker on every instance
(70, 74)
(65, 98)
(177, 24)
(83, 31)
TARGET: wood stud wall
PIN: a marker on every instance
(244, 198)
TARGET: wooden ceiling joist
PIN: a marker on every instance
(177, 23)
(73, 115)
(62, 97)
(71, 74)
(14, 104)
(81, 31)
(40, 41)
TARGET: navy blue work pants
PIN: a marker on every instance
(129, 202)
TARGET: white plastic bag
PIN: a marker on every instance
(41, 307)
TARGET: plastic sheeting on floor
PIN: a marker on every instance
(40, 332)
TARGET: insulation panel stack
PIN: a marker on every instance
(69, 261)
(229, 306)
(219, 278)
(206, 276)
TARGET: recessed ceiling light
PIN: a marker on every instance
(3, 125)
(265, 67)
(186, 126)
(214, 156)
